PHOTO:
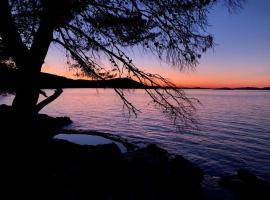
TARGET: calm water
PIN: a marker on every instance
(234, 129)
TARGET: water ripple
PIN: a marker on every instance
(234, 128)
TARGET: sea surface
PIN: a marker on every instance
(233, 130)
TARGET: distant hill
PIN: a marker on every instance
(244, 88)
(252, 88)
(8, 78)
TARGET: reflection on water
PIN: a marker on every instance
(234, 129)
(89, 140)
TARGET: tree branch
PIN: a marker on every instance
(48, 100)
(10, 37)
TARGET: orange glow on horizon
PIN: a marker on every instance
(60, 71)
(219, 80)
(216, 78)
(214, 71)
(187, 79)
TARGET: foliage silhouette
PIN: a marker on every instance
(92, 31)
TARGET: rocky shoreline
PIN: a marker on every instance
(36, 166)
(240, 185)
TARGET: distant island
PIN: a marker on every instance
(8, 77)
(226, 88)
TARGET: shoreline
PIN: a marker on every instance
(224, 187)
(52, 81)
(99, 171)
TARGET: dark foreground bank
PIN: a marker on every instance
(36, 166)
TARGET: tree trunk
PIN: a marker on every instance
(28, 61)
(27, 92)
(28, 88)
(25, 103)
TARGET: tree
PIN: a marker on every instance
(174, 30)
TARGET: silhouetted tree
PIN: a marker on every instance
(94, 30)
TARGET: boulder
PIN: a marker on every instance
(156, 174)
(39, 127)
(188, 172)
(246, 185)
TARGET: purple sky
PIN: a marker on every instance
(241, 56)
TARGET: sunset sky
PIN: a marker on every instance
(240, 58)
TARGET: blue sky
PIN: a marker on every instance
(241, 56)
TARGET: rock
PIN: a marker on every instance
(62, 170)
(246, 185)
(40, 126)
(46, 168)
(5, 114)
(57, 122)
(158, 175)
(47, 126)
(4, 109)
(234, 184)
(212, 190)
(247, 176)
(183, 169)
(152, 155)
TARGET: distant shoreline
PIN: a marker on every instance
(9, 77)
(12, 91)
(240, 88)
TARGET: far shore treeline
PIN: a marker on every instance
(8, 77)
